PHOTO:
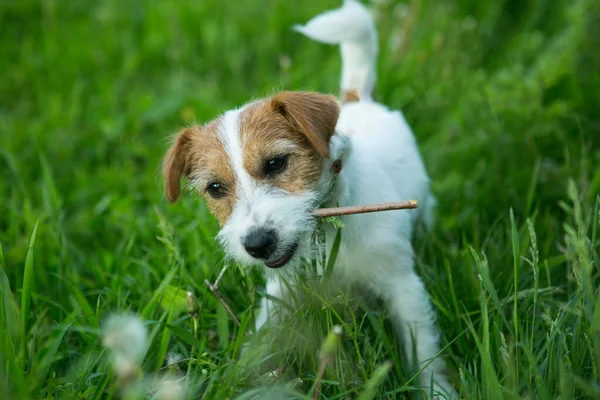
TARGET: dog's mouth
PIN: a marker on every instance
(285, 259)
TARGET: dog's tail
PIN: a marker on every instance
(352, 27)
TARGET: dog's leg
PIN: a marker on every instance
(268, 315)
(269, 311)
(413, 314)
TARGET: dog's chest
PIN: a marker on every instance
(366, 252)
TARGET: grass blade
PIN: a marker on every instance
(186, 336)
(42, 372)
(8, 310)
(483, 271)
(27, 281)
(334, 253)
(158, 293)
(514, 235)
(376, 380)
(9, 336)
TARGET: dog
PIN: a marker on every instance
(263, 168)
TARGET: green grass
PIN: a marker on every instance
(504, 98)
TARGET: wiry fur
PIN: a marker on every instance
(381, 163)
(262, 204)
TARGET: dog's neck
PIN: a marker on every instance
(340, 150)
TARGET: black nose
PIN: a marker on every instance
(260, 243)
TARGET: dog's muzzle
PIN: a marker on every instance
(260, 243)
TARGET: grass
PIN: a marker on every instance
(503, 97)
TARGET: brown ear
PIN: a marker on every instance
(176, 164)
(313, 114)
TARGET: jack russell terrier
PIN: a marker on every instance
(264, 167)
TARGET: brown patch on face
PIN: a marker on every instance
(293, 124)
(198, 155)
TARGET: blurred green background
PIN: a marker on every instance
(503, 96)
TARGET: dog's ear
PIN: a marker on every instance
(313, 114)
(177, 164)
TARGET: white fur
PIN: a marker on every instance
(381, 164)
(352, 27)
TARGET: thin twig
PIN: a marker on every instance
(215, 289)
(221, 274)
(337, 211)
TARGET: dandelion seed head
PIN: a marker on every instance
(126, 337)
(172, 389)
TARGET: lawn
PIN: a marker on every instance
(503, 96)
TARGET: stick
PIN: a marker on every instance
(337, 211)
(215, 289)
(218, 295)
(221, 274)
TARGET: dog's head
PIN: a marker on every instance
(262, 169)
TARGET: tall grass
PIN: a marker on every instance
(503, 97)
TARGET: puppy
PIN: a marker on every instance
(263, 168)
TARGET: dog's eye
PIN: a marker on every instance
(276, 165)
(216, 190)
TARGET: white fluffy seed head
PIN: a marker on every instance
(127, 339)
(171, 389)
